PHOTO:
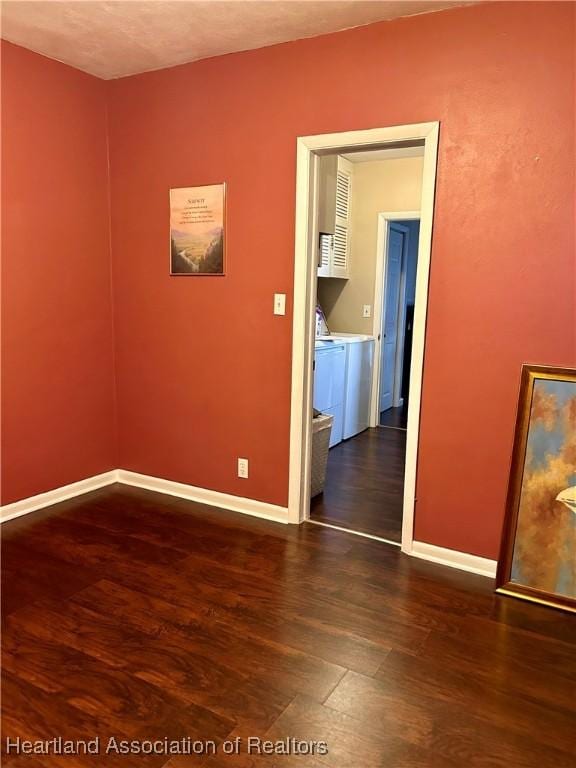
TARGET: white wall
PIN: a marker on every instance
(385, 185)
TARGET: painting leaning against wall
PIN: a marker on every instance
(538, 555)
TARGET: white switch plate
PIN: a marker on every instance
(243, 468)
(367, 310)
(279, 303)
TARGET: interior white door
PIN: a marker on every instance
(397, 236)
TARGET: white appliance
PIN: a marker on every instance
(358, 380)
(359, 362)
(329, 384)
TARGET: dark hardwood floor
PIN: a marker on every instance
(395, 417)
(141, 616)
(365, 484)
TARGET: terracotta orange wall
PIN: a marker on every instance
(204, 367)
(58, 423)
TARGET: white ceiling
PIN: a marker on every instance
(114, 39)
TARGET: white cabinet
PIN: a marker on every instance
(334, 216)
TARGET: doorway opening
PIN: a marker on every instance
(337, 341)
(399, 238)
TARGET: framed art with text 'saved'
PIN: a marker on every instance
(197, 230)
(538, 554)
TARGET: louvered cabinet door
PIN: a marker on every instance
(340, 252)
(341, 255)
(326, 255)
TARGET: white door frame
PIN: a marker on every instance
(305, 300)
(384, 220)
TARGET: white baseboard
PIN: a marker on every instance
(451, 557)
(32, 503)
(462, 560)
(183, 491)
(205, 496)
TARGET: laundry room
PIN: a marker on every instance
(368, 211)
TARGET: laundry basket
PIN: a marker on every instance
(321, 428)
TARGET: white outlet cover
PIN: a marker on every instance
(279, 303)
(242, 468)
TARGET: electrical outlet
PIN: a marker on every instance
(243, 468)
(367, 310)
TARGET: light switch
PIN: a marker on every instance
(279, 303)
(367, 310)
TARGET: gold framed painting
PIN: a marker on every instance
(198, 230)
(538, 553)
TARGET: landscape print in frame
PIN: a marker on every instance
(197, 230)
(538, 554)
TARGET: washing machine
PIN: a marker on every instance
(330, 383)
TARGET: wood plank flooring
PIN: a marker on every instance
(395, 417)
(365, 484)
(140, 616)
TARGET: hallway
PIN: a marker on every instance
(364, 484)
(395, 417)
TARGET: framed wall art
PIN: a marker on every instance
(198, 230)
(538, 554)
